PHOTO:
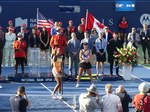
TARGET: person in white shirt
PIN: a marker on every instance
(100, 45)
(10, 38)
(111, 102)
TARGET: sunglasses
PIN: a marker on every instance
(106, 28)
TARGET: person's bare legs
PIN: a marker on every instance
(79, 74)
(102, 68)
(58, 85)
(90, 75)
(97, 67)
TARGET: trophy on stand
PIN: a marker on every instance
(45, 64)
(34, 62)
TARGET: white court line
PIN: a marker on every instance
(62, 101)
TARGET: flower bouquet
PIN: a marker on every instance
(127, 56)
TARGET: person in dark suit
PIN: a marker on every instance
(145, 41)
(108, 36)
(25, 37)
(34, 39)
(73, 47)
(1, 53)
(115, 42)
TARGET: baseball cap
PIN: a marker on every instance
(60, 23)
(82, 19)
(21, 88)
(24, 25)
(85, 43)
(35, 25)
(143, 87)
(10, 21)
(123, 17)
(70, 21)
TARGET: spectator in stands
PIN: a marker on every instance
(20, 101)
(34, 43)
(25, 37)
(37, 30)
(123, 25)
(120, 39)
(134, 38)
(72, 28)
(57, 72)
(19, 53)
(88, 40)
(68, 37)
(141, 101)
(73, 47)
(25, 28)
(93, 36)
(10, 23)
(124, 97)
(100, 45)
(44, 40)
(82, 24)
(34, 39)
(10, 38)
(108, 36)
(53, 30)
(86, 101)
(111, 102)
(1, 34)
(80, 33)
(85, 56)
(62, 29)
(114, 44)
(145, 41)
(1, 56)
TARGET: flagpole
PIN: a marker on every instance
(86, 19)
(37, 17)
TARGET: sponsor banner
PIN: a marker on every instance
(49, 79)
(26, 13)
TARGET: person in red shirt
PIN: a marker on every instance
(58, 41)
(145, 106)
(62, 29)
(123, 25)
(82, 24)
(19, 53)
(25, 27)
(10, 22)
(72, 28)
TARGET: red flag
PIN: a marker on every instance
(92, 22)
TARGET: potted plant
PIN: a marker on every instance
(128, 58)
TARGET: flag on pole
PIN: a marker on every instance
(43, 21)
(92, 22)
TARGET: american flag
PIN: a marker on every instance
(43, 21)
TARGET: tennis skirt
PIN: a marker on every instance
(55, 73)
(85, 65)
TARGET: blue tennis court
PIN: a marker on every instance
(39, 93)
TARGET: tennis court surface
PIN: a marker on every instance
(41, 101)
